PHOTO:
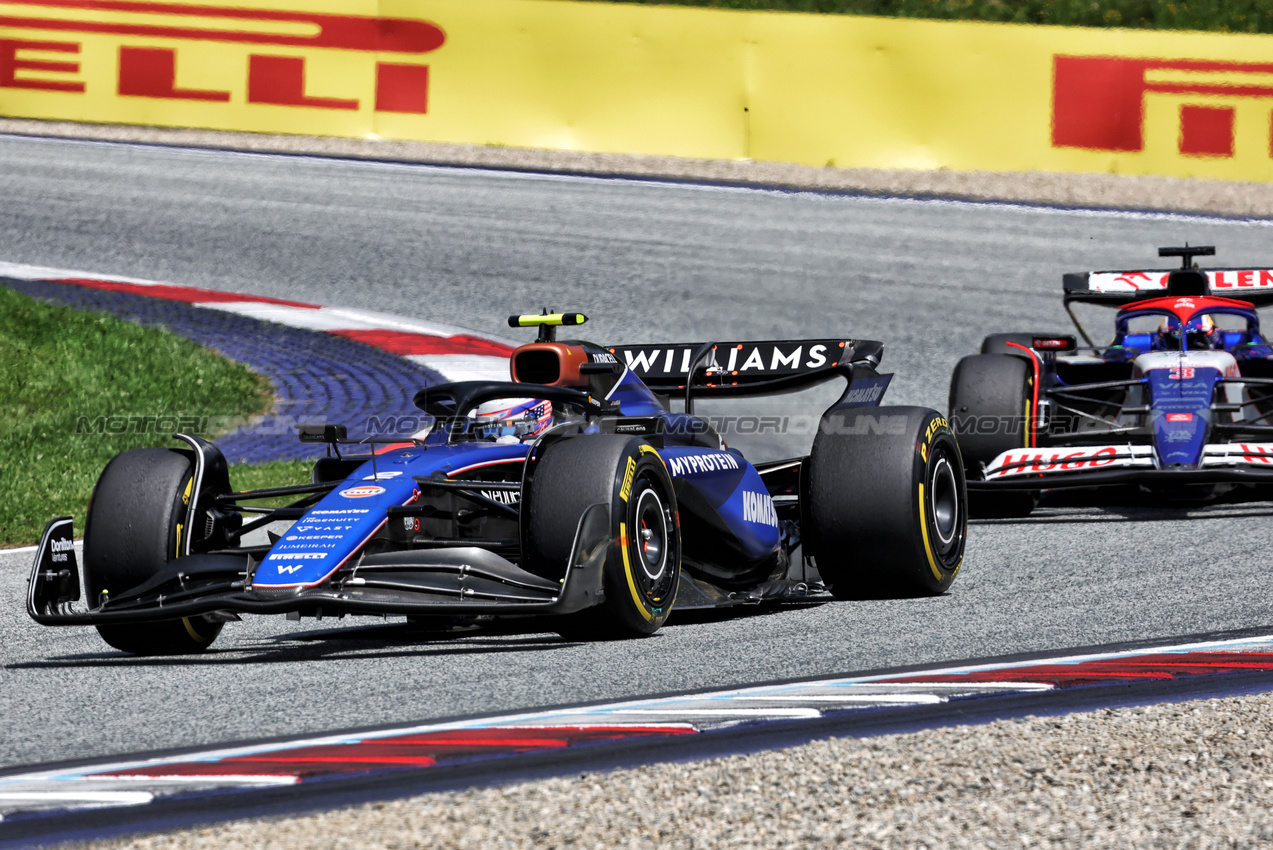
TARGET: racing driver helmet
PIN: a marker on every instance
(511, 420)
(1201, 333)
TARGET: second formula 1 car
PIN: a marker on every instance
(1177, 406)
(579, 491)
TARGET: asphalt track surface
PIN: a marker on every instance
(185, 810)
(649, 262)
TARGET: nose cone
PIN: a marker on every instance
(1180, 401)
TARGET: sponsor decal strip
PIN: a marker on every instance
(1223, 281)
(1233, 454)
(1063, 99)
(265, 583)
(1064, 460)
(691, 464)
(759, 508)
(421, 747)
(1038, 461)
(457, 355)
(757, 359)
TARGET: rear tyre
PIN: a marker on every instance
(887, 502)
(991, 398)
(643, 564)
(136, 523)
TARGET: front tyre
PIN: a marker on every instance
(643, 564)
(991, 408)
(887, 504)
(137, 519)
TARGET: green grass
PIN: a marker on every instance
(278, 473)
(1214, 15)
(61, 370)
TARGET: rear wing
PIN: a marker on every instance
(754, 368)
(1116, 288)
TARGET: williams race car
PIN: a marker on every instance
(572, 491)
(1178, 406)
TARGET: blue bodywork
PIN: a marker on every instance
(1181, 392)
(346, 518)
(434, 525)
(1161, 387)
(721, 496)
(1178, 404)
(1181, 414)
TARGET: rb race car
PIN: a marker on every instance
(572, 491)
(1179, 405)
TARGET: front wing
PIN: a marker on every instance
(421, 582)
(1096, 466)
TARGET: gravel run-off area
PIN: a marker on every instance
(1193, 774)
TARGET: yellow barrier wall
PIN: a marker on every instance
(848, 91)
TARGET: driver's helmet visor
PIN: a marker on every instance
(511, 417)
(1200, 332)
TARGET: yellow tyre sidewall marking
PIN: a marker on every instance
(185, 621)
(625, 489)
(190, 630)
(923, 528)
(627, 571)
(923, 520)
(623, 540)
(651, 450)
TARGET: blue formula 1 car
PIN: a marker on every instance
(572, 492)
(1178, 406)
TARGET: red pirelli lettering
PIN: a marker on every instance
(1206, 130)
(280, 80)
(152, 72)
(339, 32)
(1098, 102)
(10, 65)
(402, 88)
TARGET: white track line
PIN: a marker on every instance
(445, 349)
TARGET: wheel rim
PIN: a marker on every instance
(652, 551)
(650, 535)
(944, 487)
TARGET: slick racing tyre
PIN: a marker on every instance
(135, 525)
(991, 405)
(643, 564)
(887, 510)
